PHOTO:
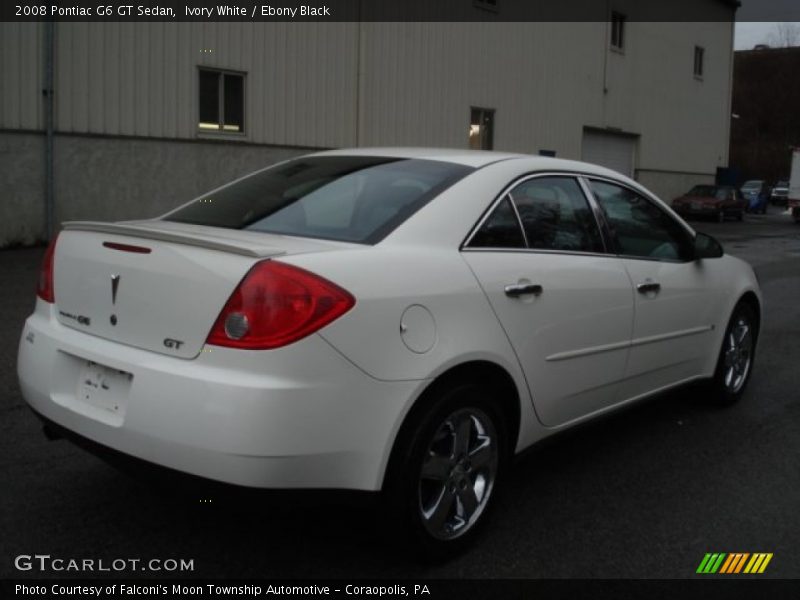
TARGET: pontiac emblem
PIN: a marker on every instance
(114, 286)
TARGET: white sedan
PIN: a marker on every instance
(395, 320)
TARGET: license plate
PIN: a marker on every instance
(104, 388)
(697, 206)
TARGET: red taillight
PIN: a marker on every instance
(277, 304)
(45, 290)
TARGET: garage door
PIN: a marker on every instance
(609, 150)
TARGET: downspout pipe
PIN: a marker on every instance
(47, 92)
(359, 61)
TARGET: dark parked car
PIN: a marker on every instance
(717, 201)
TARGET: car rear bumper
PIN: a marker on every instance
(299, 417)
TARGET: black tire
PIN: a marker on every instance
(429, 438)
(735, 362)
(740, 215)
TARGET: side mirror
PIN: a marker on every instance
(706, 246)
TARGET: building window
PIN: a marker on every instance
(699, 56)
(221, 95)
(486, 4)
(617, 30)
(481, 129)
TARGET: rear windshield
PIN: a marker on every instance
(346, 198)
(703, 190)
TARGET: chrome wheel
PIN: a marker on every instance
(738, 354)
(458, 473)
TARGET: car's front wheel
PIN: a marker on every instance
(446, 470)
(736, 356)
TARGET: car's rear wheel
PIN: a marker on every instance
(740, 215)
(446, 469)
(736, 356)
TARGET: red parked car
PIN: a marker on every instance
(717, 201)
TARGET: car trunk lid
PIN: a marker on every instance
(156, 285)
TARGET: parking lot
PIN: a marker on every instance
(644, 493)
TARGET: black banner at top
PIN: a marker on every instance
(397, 10)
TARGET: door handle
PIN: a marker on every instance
(648, 286)
(520, 289)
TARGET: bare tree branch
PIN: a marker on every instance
(785, 35)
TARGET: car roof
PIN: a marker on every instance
(470, 158)
(478, 158)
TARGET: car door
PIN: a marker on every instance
(676, 301)
(564, 303)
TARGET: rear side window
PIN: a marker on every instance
(345, 198)
(500, 230)
(542, 213)
(556, 215)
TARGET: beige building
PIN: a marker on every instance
(148, 115)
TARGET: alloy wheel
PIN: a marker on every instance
(738, 354)
(458, 473)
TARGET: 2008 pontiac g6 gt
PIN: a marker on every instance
(393, 320)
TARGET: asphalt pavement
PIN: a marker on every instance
(644, 493)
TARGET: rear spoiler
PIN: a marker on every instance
(177, 237)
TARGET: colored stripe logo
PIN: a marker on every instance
(734, 563)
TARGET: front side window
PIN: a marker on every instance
(553, 214)
(346, 198)
(221, 101)
(640, 228)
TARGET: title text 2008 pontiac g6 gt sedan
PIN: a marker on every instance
(385, 319)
